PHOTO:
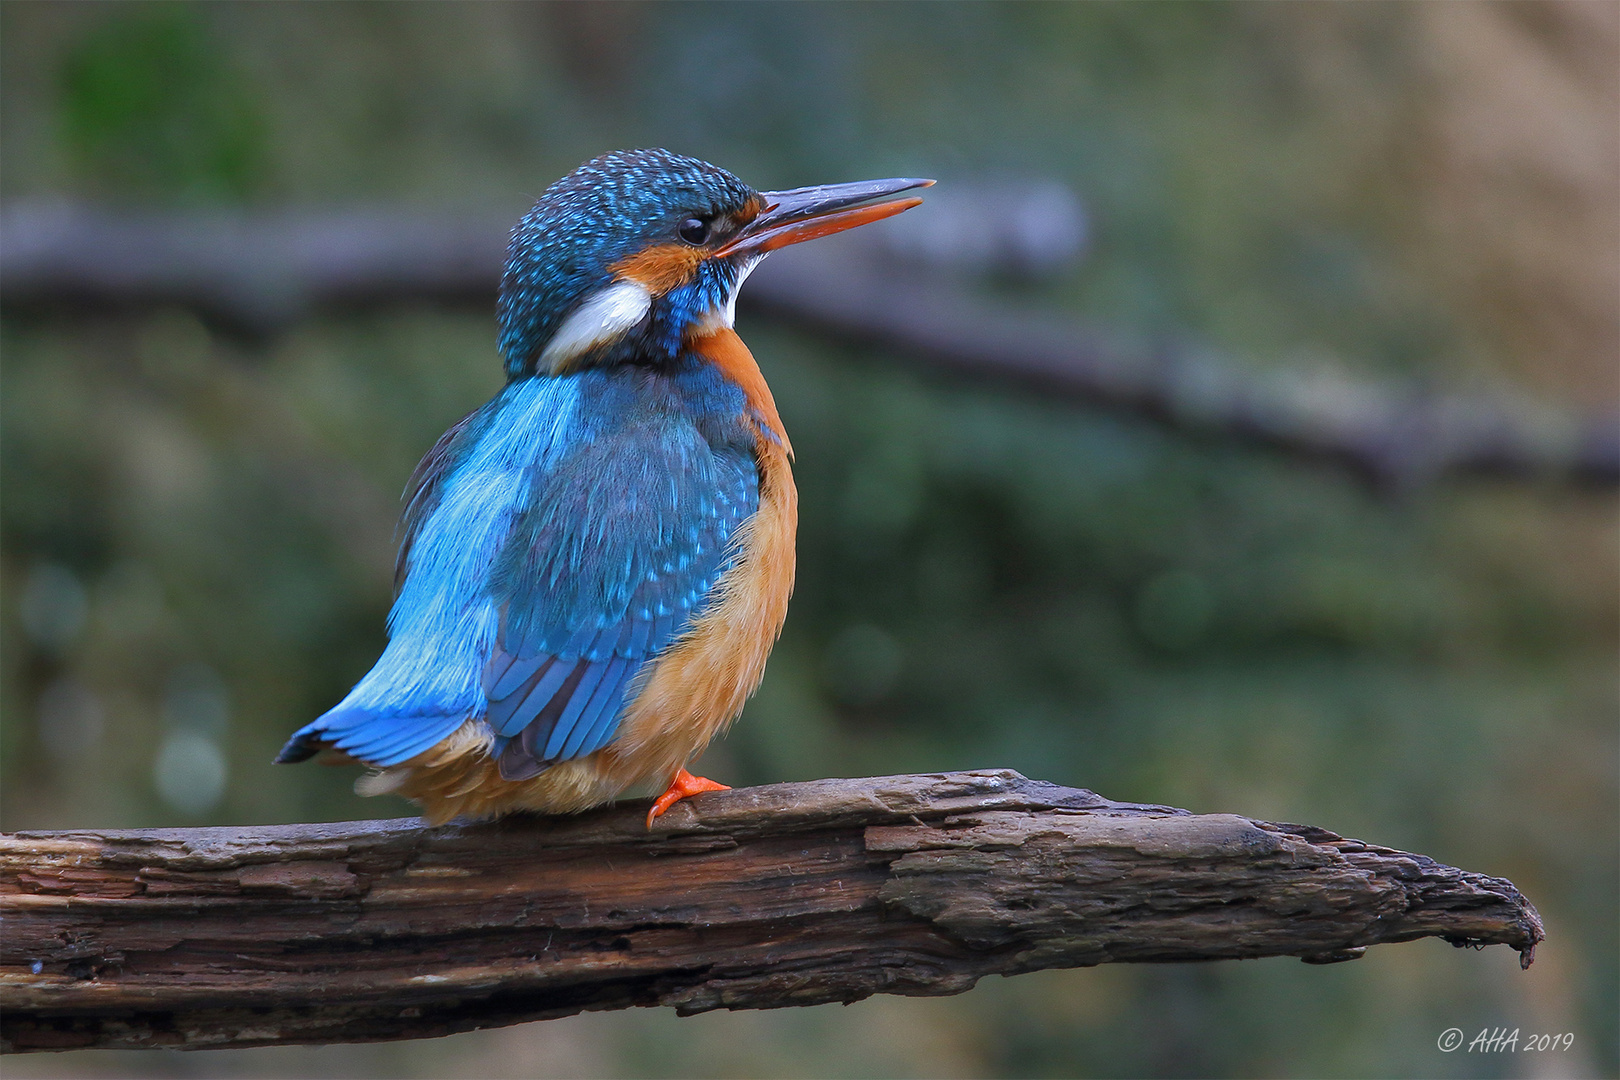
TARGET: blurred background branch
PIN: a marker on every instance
(259, 274)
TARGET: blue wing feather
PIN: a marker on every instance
(606, 724)
(563, 729)
(640, 632)
(496, 669)
(614, 558)
(511, 713)
(506, 673)
(462, 501)
(592, 728)
(555, 543)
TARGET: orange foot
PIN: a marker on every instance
(684, 786)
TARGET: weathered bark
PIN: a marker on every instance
(793, 894)
(262, 272)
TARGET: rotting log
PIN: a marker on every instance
(793, 894)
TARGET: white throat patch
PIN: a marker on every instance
(742, 276)
(724, 317)
(602, 316)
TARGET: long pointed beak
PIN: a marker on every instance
(810, 212)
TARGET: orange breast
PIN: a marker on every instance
(727, 352)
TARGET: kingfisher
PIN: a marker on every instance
(595, 564)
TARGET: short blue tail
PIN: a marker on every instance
(377, 738)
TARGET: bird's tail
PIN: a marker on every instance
(378, 738)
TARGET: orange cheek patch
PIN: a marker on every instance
(661, 267)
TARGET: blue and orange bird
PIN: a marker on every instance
(596, 563)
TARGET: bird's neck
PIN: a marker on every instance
(726, 351)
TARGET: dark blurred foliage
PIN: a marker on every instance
(197, 530)
(149, 108)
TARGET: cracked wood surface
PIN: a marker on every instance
(793, 894)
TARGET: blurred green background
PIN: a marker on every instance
(196, 529)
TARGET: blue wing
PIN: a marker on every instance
(555, 542)
(463, 499)
(620, 550)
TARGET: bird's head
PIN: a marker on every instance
(636, 251)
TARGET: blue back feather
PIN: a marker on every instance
(556, 541)
(619, 550)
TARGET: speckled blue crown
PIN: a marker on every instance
(607, 209)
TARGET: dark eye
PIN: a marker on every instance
(693, 230)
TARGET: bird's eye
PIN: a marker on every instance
(693, 230)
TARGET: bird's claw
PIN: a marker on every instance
(684, 786)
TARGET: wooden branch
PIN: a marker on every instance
(794, 894)
(259, 273)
